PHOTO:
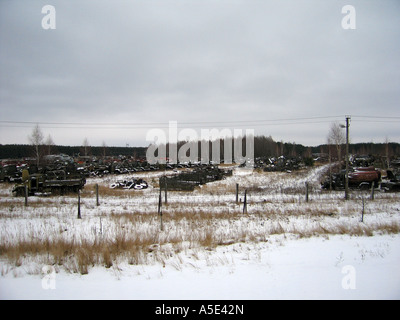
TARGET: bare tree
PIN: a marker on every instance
(49, 144)
(86, 146)
(104, 146)
(387, 151)
(36, 139)
(337, 137)
(330, 162)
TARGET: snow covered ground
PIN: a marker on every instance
(340, 267)
(284, 248)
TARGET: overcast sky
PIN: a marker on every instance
(283, 68)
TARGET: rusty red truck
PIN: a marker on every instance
(364, 177)
(359, 178)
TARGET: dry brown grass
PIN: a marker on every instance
(105, 191)
(78, 257)
(136, 244)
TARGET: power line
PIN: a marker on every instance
(164, 126)
(377, 117)
(195, 124)
(100, 125)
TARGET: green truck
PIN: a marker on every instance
(52, 182)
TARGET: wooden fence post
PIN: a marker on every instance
(245, 202)
(307, 191)
(237, 192)
(363, 209)
(160, 211)
(159, 202)
(97, 194)
(79, 204)
(26, 195)
(166, 190)
(373, 191)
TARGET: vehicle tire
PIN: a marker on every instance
(365, 186)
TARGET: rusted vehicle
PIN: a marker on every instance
(359, 178)
(392, 182)
(364, 177)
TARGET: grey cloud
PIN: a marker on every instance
(154, 61)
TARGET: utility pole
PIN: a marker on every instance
(347, 158)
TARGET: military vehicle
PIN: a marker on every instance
(51, 182)
(187, 181)
(10, 173)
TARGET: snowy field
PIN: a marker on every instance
(282, 248)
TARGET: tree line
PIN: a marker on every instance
(20, 151)
(263, 147)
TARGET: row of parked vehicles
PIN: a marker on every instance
(71, 178)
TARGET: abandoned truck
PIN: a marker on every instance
(187, 181)
(10, 173)
(392, 182)
(52, 182)
(359, 178)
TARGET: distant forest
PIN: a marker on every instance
(19, 151)
(263, 147)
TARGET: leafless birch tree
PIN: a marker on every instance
(337, 137)
(36, 139)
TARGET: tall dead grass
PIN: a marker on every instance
(79, 257)
(140, 246)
